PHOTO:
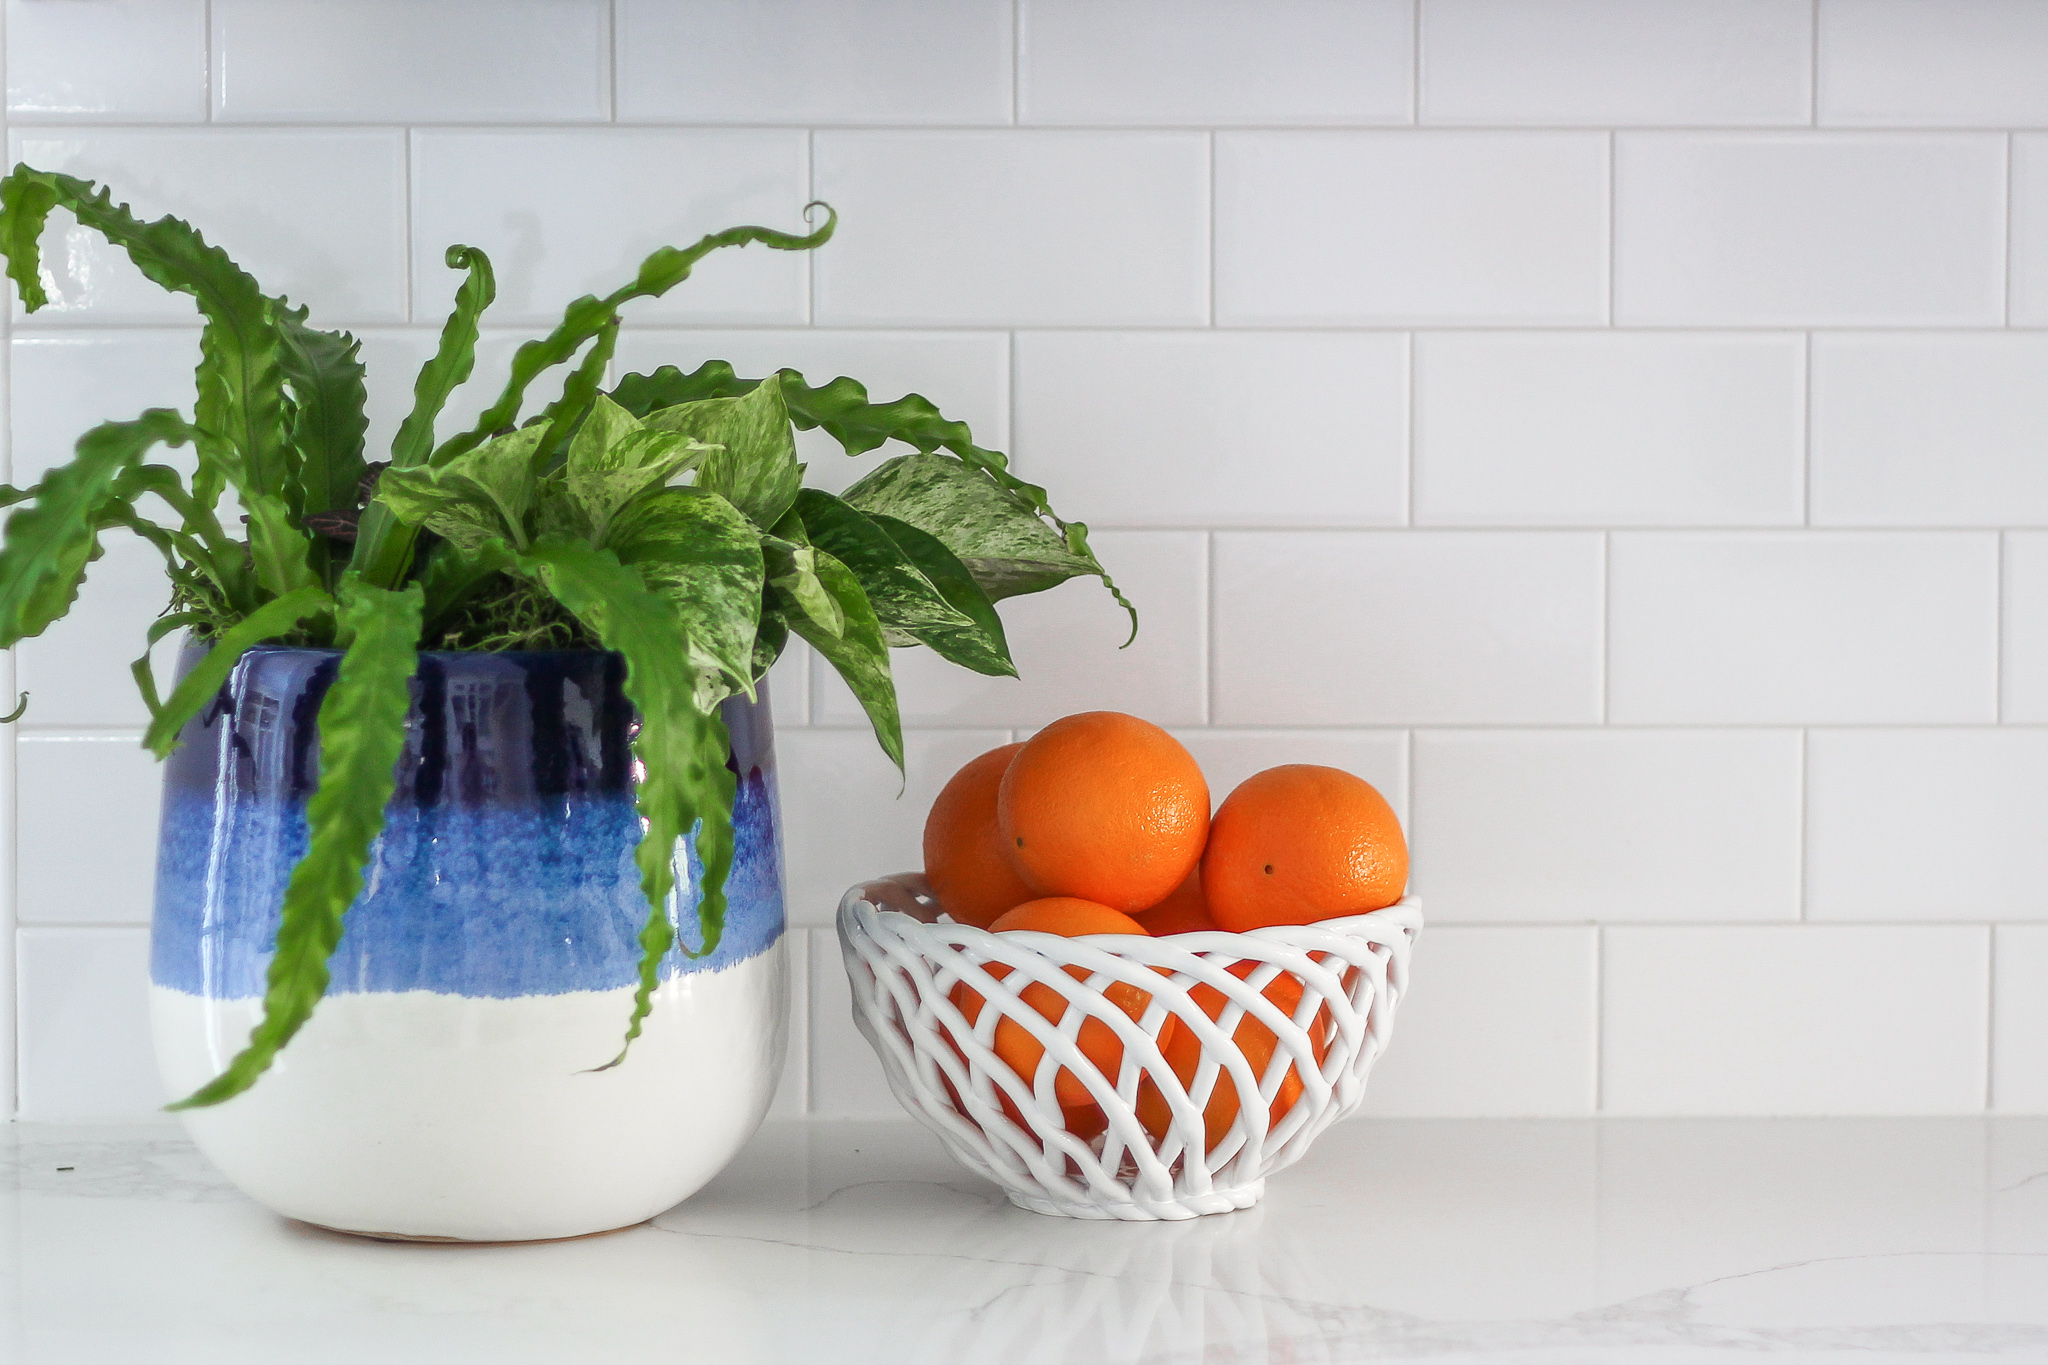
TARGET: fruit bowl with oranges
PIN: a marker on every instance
(1092, 972)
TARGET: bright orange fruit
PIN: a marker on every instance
(965, 858)
(1105, 807)
(1300, 843)
(1186, 911)
(1258, 1044)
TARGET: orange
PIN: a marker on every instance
(1105, 807)
(1299, 843)
(1186, 911)
(1083, 1121)
(1258, 1044)
(1098, 1042)
(965, 858)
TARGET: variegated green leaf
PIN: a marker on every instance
(755, 468)
(614, 460)
(792, 566)
(1007, 549)
(905, 601)
(703, 558)
(857, 650)
(984, 647)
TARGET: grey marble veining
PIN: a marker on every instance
(1545, 1242)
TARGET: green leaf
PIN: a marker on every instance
(904, 600)
(190, 696)
(240, 409)
(1007, 548)
(453, 360)
(756, 471)
(579, 390)
(324, 371)
(362, 733)
(858, 650)
(792, 565)
(142, 672)
(697, 553)
(843, 410)
(772, 637)
(613, 461)
(480, 495)
(985, 648)
(682, 745)
(49, 542)
(588, 316)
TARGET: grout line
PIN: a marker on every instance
(1613, 253)
(611, 23)
(410, 231)
(2007, 300)
(1813, 66)
(1415, 63)
(1790, 132)
(1206, 624)
(1606, 625)
(1212, 229)
(1805, 806)
(810, 197)
(1016, 61)
(1397, 327)
(1414, 415)
(1991, 1019)
(1383, 727)
(206, 19)
(1806, 433)
(1998, 640)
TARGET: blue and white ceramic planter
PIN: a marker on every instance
(445, 1087)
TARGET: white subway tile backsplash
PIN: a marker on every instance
(1215, 61)
(2028, 246)
(63, 385)
(2023, 688)
(1228, 757)
(845, 1080)
(1932, 62)
(1014, 228)
(1795, 1019)
(1930, 430)
(1217, 428)
(1396, 628)
(76, 672)
(849, 815)
(1616, 61)
(815, 61)
(792, 1091)
(1794, 628)
(1067, 644)
(86, 842)
(1580, 429)
(428, 61)
(316, 215)
(85, 1049)
(1607, 825)
(1450, 1056)
(1927, 824)
(1809, 229)
(2019, 1020)
(1416, 227)
(127, 60)
(504, 192)
(966, 375)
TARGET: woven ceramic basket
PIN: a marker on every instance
(905, 963)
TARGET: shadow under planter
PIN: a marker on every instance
(446, 1087)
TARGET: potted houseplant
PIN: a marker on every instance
(470, 750)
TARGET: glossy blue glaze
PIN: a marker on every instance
(506, 864)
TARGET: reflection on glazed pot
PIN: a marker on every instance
(449, 1085)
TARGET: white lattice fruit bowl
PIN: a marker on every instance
(905, 960)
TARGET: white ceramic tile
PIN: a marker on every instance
(86, 840)
(2023, 689)
(1607, 825)
(411, 61)
(1930, 430)
(1411, 227)
(517, 195)
(1616, 61)
(1214, 61)
(789, 685)
(1932, 62)
(965, 374)
(85, 1049)
(1498, 1021)
(792, 1091)
(849, 816)
(2019, 1020)
(1578, 429)
(1067, 646)
(76, 672)
(1217, 428)
(2029, 267)
(1798, 1019)
(1027, 228)
(132, 60)
(318, 216)
(846, 1081)
(64, 385)
(1228, 757)
(1809, 229)
(1397, 628)
(1926, 824)
(1790, 628)
(815, 61)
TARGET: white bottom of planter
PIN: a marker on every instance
(417, 1114)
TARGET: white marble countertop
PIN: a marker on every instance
(1453, 1240)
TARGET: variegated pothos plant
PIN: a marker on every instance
(666, 518)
